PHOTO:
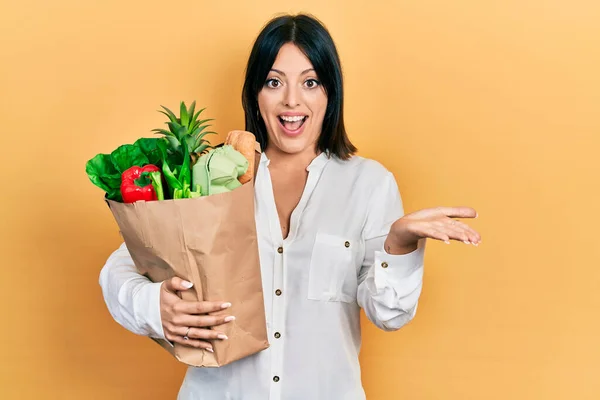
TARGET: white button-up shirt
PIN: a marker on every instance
(315, 281)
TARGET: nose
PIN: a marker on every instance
(291, 96)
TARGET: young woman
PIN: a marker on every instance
(332, 235)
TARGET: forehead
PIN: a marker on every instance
(291, 60)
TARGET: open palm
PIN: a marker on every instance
(438, 223)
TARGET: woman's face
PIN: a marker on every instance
(292, 103)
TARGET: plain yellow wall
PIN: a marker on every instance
(491, 104)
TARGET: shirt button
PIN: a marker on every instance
(278, 292)
(280, 250)
(347, 244)
(275, 379)
(277, 335)
(384, 265)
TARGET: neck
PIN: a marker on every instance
(282, 160)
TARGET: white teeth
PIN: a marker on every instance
(292, 119)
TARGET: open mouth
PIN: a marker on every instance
(292, 123)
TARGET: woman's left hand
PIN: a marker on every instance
(435, 223)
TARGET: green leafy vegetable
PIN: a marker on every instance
(149, 147)
(156, 178)
(172, 181)
(175, 153)
(103, 174)
(178, 177)
(126, 156)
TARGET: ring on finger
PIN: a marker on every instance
(186, 337)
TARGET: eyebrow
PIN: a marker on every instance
(283, 73)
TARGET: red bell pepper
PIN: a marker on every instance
(137, 185)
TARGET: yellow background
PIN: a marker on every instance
(491, 104)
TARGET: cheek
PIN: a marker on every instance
(261, 102)
(267, 100)
(266, 107)
(320, 102)
(320, 108)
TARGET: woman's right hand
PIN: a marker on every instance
(180, 317)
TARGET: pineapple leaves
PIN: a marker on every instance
(199, 125)
(169, 114)
(191, 112)
(190, 143)
(171, 117)
(201, 149)
(163, 132)
(198, 131)
(177, 130)
(198, 114)
(199, 140)
(174, 143)
(183, 114)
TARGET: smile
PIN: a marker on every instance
(292, 124)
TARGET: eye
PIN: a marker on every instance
(312, 83)
(273, 83)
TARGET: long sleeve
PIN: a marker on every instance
(389, 285)
(132, 299)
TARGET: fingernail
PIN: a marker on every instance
(210, 349)
(230, 318)
(225, 305)
(466, 242)
(221, 336)
(476, 244)
(447, 241)
(187, 284)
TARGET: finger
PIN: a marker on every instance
(461, 228)
(176, 284)
(458, 212)
(474, 237)
(200, 307)
(455, 232)
(201, 321)
(199, 344)
(199, 333)
(437, 234)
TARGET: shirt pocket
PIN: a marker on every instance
(332, 272)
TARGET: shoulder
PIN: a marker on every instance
(362, 169)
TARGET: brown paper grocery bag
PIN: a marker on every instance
(212, 242)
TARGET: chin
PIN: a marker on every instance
(292, 146)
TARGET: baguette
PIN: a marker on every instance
(244, 142)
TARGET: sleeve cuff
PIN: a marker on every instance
(148, 300)
(399, 266)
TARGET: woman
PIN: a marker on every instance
(331, 231)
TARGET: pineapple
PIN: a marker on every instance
(184, 144)
(186, 128)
